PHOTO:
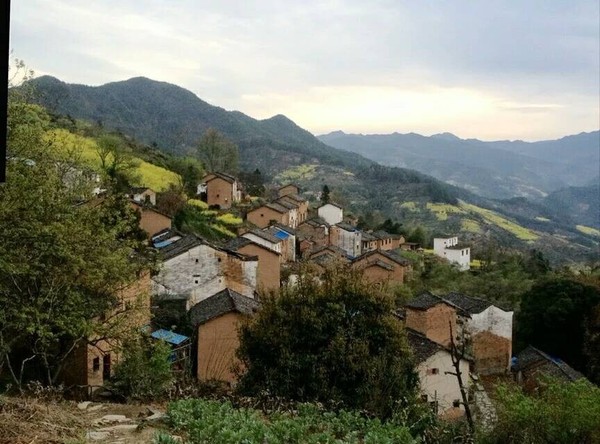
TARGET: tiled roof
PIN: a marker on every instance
(346, 227)
(226, 177)
(220, 303)
(289, 185)
(294, 197)
(265, 235)
(277, 207)
(180, 246)
(315, 222)
(466, 303)
(240, 242)
(531, 356)
(381, 264)
(421, 346)
(368, 237)
(284, 203)
(394, 257)
(425, 301)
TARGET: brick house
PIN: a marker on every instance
(300, 203)
(92, 361)
(292, 209)
(532, 363)
(143, 195)
(268, 275)
(216, 320)
(221, 189)
(288, 189)
(268, 214)
(380, 266)
(432, 316)
(151, 220)
(193, 269)
(316, 234)
(263, 237)
(440, 389)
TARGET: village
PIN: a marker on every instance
(202, 292)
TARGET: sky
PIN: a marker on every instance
(493, 69)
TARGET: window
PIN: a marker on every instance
(456, 403)
(424, 398)
(433, 371)
(196, 260)
(96, 364)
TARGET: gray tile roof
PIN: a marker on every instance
(284, 203)
(421, 346)
(276, 207)
(265, 235)
(218, 304)
(346, 227)
(294, 197)
(240, 242)
(180, 246)
(533, 357)
(466, 303)
(394, 257)
(425, 301)
(226, 177)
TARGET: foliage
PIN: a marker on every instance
(218, 153)
(116, 160)
(145, 371)
(254, 182)
(219, 422)
(561, 413)
(191, 172)
(325, 194)
(61, 264)
(170, 201)
(334, 341)
(195, 218)
(552, 318)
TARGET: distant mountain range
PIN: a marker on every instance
(500, 170)
(172, 120)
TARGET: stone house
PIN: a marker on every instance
(268, 275)
(532, 363)
(449, 248)
(331, 213)
(379, 266)
(151, 220)
(221, 189)
(193, 269)
(216, 320)
(346, 237)
(92, 362)
(143, 195)
(268, 214)
(440, 389)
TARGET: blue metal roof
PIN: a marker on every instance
(164, 243)
(280, 234)
(169, 336)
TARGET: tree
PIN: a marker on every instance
(254, 183)
(62, 264)
(191, 172)
(334, 341)
(116, 160)
(325, 195)
(217, 153)
(553, 315)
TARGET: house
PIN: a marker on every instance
(486, 328)
(449, 248)
(143, 195)
(433, 364)
(93, 360)
(193, 269)
(368, 242)
(331, 213)
(268, 275)
(312, 233)
(263, 237)
(288, 237)
(221, 189)
(432, 316)
(532, 363)
(268, 214)
(410, 246)
(387, 241)
(300, 203)
(380, 266)
(288, 189)
(216, 320)
(292, 208)
(346, 237)
(151, 220)
(489, 329)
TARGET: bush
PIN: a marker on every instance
(145, 372)
(333, 342)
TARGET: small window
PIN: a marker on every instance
(424, 398)
(218, 195)
(433, 371)
(219, 259)
(456, 403)
(262, 215)
(96, 364)
(196, 281)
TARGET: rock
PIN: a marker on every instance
(108, 419)
(83, 405)
(97, 436)
(95, 408)
(120, 428)
(156, 416)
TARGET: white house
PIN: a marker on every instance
(346, 237)
(192, 269)
(450, 249)
(143, 195)
(331, 213)
(439, 388)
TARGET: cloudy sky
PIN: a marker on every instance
(493, 69)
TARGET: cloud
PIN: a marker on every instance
(325, 61)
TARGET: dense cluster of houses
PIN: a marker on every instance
(215, 287)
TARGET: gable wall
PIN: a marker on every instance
(269, 271)
(262, 217)
(220, 192)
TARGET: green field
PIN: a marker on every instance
(495, 219)
(304, 171)
(84, 150)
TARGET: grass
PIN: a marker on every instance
(410, 206)
(441, 211)
(588, 230)
(304, 171)
(470, 225)
(494, 218)
(84, 150)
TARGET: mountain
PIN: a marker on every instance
(498, 170)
